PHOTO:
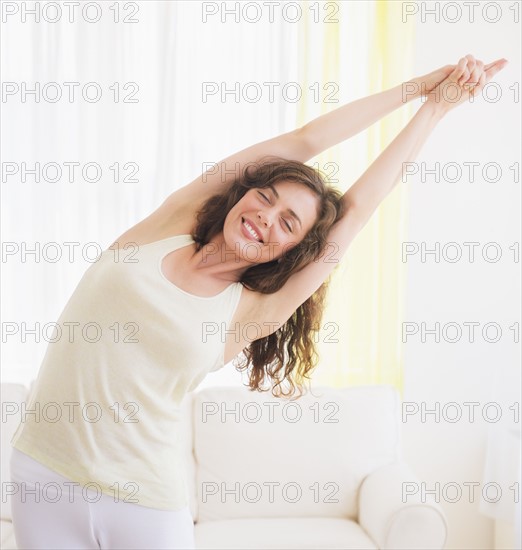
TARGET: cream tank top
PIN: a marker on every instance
(106, 404)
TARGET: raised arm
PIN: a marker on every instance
(306, 142)
(467, 78)
(377, 181)
(350, 119)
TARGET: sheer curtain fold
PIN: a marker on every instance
(367, 51)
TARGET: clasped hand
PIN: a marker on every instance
(452, 85)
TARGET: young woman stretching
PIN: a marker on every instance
(229, 249)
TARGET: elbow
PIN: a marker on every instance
(307, 147)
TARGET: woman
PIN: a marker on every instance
(169, 300)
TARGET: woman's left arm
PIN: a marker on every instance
(342, 123)
(368, 191)
(302, 143)
(467, 79)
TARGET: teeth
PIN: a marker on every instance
(251, 230)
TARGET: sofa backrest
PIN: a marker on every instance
(260, 456)
(249, 454)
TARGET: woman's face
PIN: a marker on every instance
(267, 222)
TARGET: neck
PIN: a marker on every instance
(220, 260)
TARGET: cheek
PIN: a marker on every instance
(283, 245)
(244, 205)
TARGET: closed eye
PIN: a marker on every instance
(264, 196)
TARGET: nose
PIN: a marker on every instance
(264, 218)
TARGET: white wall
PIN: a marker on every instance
(465, 291)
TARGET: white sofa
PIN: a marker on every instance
(323, 471)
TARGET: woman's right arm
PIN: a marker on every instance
(303, 144)
(216, 177)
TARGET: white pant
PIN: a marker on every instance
(48, 519)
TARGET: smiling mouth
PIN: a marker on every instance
(251, 230)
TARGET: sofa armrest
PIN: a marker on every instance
(392, 511)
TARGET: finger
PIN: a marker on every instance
(474, 77)
(479, 70)
(480, 85)
(471, 61)
(489, 65)
(459, 70)
(493, 68)
(471, 64)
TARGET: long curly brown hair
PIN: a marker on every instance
(288, 354)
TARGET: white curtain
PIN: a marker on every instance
(502, 476)
(162, 61)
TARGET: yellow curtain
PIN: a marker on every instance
(354, 49)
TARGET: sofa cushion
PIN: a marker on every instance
(272, 533)
(332, 440)
(13, 395)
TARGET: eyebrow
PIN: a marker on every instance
(292, 213)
